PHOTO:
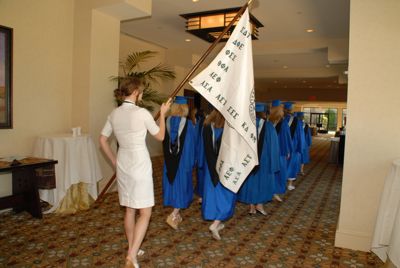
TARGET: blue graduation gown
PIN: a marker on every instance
(285, 148)
(259, 187)
(179, 193)
(218, 201)
(298, 142)
(305, 155)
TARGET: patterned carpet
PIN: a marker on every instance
(299, 232)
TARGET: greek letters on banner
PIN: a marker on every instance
(228, 84)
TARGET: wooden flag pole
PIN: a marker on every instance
(184, 81)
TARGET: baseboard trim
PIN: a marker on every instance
(353, 240)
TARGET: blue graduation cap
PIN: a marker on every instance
(288, 105)
(276, 103)
(260, 107)
(180, 100)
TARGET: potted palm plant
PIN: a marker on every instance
(151, 77)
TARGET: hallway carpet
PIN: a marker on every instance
(299, 232)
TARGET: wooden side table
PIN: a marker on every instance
(28, 175)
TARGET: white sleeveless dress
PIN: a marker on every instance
(130, 124)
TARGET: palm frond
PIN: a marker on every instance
(156, 74)
(134, 59)
(162, 72)
(117, 78)
(152, 95)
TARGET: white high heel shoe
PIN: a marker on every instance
(130, 264)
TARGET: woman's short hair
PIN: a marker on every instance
(127, 87)
(181, 110)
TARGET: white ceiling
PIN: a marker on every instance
(283, 40)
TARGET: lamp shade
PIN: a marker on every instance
(208, 25)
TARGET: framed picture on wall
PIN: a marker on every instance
(6, 37)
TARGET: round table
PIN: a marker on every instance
(77, 163)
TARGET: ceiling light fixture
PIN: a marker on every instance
(188, 40)
(208, 25)
(310, 30)
(285, 67)
(194, 1)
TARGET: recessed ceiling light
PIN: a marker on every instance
(327, 66)
(194, 1)
(188, 40)
(310, 30)
(285, 67)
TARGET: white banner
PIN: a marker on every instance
(228, 84)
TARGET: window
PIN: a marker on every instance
(324, 119)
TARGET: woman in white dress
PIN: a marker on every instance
(130, 124)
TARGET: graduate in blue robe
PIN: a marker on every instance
(218, 202)
(179, 158)
(259, 186)
(285, 146)
(305, 155)
(298, 141)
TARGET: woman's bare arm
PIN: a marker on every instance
(105, 146)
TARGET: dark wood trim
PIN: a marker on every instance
(8, 77)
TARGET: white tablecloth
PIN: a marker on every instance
(386, 240)
(77, 162)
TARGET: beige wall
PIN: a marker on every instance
(373, 132)
(81, 64)
(64, 53)
(42, 71)
(304, 94)
(103, 64)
